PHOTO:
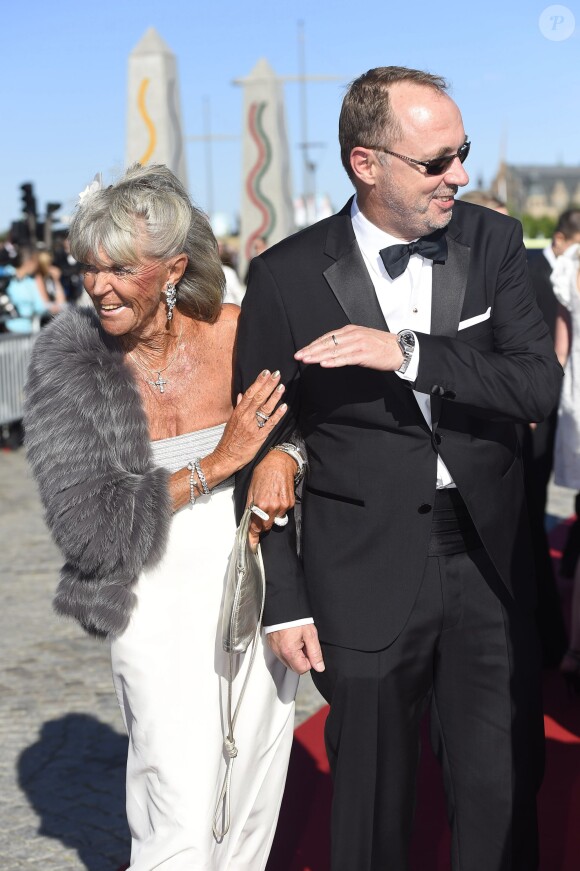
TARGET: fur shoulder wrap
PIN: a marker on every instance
(106, 504)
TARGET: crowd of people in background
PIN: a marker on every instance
(35, 283)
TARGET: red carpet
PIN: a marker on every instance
(302, 840)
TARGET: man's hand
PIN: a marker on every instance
(298, 648)
(354, 346)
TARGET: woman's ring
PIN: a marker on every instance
(262, 418)
(334, 339)
(281, 521)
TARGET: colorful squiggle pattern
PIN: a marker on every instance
(148, 122)
(256, 174)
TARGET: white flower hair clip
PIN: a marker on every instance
(93, 187)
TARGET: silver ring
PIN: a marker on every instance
(334, 339)
(259, 512)
(281, 521)
(262, 418)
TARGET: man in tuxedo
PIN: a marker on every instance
(410, 345)
(539, 442)
(540, 266)
(538, 451)
(541, 263)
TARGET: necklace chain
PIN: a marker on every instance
(160, 382)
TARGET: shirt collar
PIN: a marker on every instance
(371, 239)
(368, 234)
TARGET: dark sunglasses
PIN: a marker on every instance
(437, 166)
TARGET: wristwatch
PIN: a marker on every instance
(297, 455)
(406, 342)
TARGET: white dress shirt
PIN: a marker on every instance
(406, 304)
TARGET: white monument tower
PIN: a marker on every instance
(266, 202)
(154, 131)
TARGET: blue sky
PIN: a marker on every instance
(63, 67)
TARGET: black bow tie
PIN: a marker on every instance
(396, 257)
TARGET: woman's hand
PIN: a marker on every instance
(250, 424)
(272, 490)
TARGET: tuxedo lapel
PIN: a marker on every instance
(351, 284)
(448, 294)
(449, 284)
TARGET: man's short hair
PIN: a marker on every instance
(366, 117)
(568, 223)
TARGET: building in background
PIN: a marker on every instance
(537, 191)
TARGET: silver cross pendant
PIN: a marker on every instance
(160, 383)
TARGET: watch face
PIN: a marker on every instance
(408, 338)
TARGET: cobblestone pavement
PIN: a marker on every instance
(62, 743)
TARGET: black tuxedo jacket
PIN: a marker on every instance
(540, 271)
(367, 503)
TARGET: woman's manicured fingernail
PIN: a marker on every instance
(283, 407)
(279, 388)
(276, 374)
(265, 373)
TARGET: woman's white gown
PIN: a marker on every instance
(170, 673)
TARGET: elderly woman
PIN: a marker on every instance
(134, 441)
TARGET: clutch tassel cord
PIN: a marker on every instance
(221, 820)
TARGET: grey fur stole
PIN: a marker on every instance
(107, 506)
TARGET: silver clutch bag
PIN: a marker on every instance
(245, 592)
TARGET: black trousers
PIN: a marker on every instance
(468, 652)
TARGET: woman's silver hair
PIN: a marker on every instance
(148, 213)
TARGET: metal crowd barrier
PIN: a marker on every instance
(14, 356)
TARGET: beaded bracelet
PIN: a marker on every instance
(297, 455)
(192, 482)
(201, 477)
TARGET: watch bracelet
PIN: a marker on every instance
(297, 455)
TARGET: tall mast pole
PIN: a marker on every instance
(208, 155)
(306, 192)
